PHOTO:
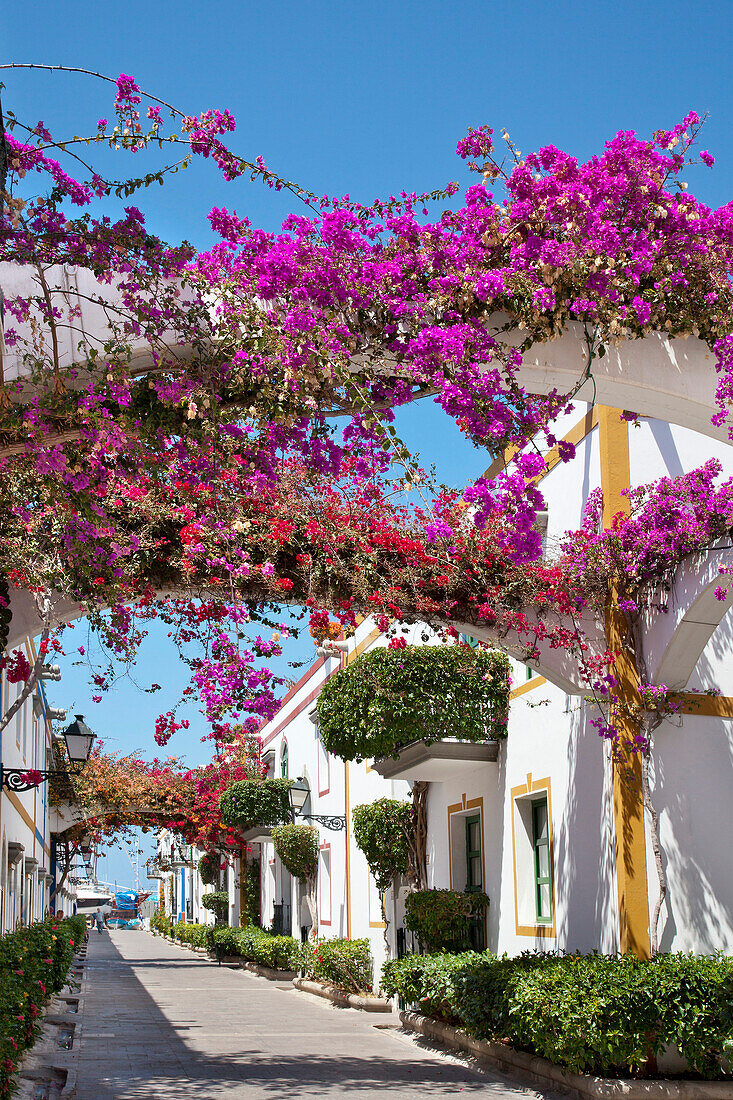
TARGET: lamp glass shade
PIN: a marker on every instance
(79, 740)
(299, 794)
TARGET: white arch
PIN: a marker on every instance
(671, 380)
(674, 642)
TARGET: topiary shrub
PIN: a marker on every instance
(209, 867)
(250, 802)
(381, 831)
(441, 919)
(297, 847)
(389, 697)
(217, 903)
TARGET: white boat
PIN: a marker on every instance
(91, 896)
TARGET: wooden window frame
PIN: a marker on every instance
(525, 793)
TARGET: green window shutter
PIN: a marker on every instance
(542, 871)
(474, 877)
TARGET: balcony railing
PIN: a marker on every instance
(281, 921)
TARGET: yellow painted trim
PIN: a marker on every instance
(462, 807)
(372, 923)
(363, 644)
(455, 808)
(576, 435)
(629, 829)
(540, 931)
(706, 706)
(15, 801)
(535, 682)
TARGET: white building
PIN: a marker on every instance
(27, 857)
(540, 822)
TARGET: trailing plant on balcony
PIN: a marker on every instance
(209, 866)
(442, 919)
(297, 847)
(390, 697)
(217, 903)
(248, 803)
(252, 886)
(381, 832)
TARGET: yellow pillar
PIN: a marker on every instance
(630, 842)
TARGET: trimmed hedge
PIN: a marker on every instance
(255, 945)
(343, 963)
(441, 919)
(604, 1014)
(198, 935)
(34, 962)
(427, 981)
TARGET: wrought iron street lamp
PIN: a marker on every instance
(300, 794)
(78, 739)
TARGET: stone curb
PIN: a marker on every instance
(338, 997)
(45, 1062)
(543, 1072)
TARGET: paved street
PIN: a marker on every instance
(161, 1022)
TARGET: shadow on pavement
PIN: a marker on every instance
(202, 1031)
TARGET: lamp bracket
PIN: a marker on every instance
(15, 779)
(335, 822)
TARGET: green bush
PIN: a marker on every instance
(603, 1014)
(34, 962)
(389, 697)
(161, 922)
(297, 847)
(198, 935)
(250, 802)
(343, 963)
(441, 919)
(381, 829)
(255, 945)
(217, 903)
(427, 981)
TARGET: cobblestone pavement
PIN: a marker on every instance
(159, 1021)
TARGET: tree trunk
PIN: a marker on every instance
(417, 842)
(656, 848)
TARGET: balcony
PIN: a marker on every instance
(436, 761)
(256, 834)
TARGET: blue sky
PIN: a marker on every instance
(364, 99)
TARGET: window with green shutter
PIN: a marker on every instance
(475, 876)
(542, 871)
